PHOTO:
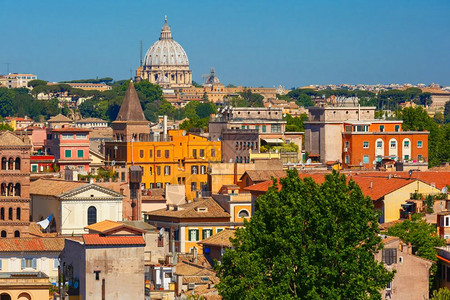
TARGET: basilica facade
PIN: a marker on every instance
(166, 63)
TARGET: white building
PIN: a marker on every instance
(74, 204)
(34, 254)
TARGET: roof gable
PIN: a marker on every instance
(90, 190)
(7, 138)
(112, 227)
(207, 208)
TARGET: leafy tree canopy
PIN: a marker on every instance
(295, 124)
(306, 241)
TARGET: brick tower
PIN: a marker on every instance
(14, 185)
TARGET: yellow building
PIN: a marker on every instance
(190, 223)
(23, 286)
(170, 157)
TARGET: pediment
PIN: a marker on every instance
(91, 191)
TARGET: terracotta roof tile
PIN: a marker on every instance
(53, 187)
(193, 210)
(263, 175)
(220, 239)
(96, 239)
(59, 118)
(373, 184)
(108, 226)
(51, 244)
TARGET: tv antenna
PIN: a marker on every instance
(140, 56)
(7, 67)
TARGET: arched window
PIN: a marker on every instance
(3, 189)
(10, 191)
(18, 213)
(244, 214)
(24, 296)
(11, 163)
(17, 164)
(17, 233)
(4, 162)
(10, 213)
(17, 189)
(3, 234)
(92, 215)
(2, 213)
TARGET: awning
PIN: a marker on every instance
(273, 141)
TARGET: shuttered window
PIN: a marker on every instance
(206, 233)
(193, 235)
(390, 256)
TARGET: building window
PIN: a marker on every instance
(3, 234)
(160, 241)
(243, 214)
(397, 128)
(202, 152)
(419, 144)
(264, 128)
(348, 128)
(346, 159)
(158, 153)
(194, 153)
(275, 128)
(406, 157)
(81, 136)
(158, 170)
(151, 170)
(18, 213)
(17, 234)
(213, 152)
(219, 230)
(80, 153)
(202, 169)
(67, 136)
(150, 153)
(206, 233)
(347, 144)
(389, 256)
(193, 235)
(166, 153)
(406, 144)
(92, 215)
(166, 170)
(68, 153)
(141, 153)
(366, 159)
(122, 176)
(365, 144)
(381, 128)
(419, 157)
(393, 144)
(194, 170)
(10, 213)
(193, 186)
(28, 263)
(379, 144)
(55, 263)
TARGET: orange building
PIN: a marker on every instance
(173, 157)
(367, 142)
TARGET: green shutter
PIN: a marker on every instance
(197, 234)
(68, 153)
(80, 153)
(204, 233)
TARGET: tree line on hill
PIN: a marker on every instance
(384, 100)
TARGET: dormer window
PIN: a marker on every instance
(201, 209)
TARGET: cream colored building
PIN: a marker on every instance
(33, 254)
(74, 204)
(17, 80)
(166, 63)
(29, 286)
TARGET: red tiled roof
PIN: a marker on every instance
(374, 184)
(96, 239)
(52, 244)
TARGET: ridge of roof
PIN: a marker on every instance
(189, 210)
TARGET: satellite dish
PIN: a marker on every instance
(308, 162)
(184, 132)
(410, 173)
(113, 163)
(374, 162)
(444, 190)
(161, 231)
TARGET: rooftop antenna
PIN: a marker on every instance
(140, 56)
(131, 74)
(7, 67)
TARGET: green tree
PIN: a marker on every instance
(36, 82)
(447, 112)
(166, 109)
(254, 99)
(306, 241)
(6, 102)
(196, 84)
(295, 123)
(5, 126)
(441, 294)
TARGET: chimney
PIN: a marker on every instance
(371, 184)
(194, 254)
(165, 126)
(409, 249)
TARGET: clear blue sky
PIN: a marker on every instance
(252, 42)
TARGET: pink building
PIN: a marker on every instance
(70, 146)
(37, 135)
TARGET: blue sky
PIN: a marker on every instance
(253, 43)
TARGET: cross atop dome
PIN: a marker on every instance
(166, 34)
